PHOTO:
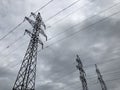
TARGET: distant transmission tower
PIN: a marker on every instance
(82, 73)
(102, 83)
(27, 73)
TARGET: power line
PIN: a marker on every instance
(39, 10)
(62, 10)
(14, 50)
(70, 73)
(109, 80)
(12, 30)
(92, 77)
(59, 79)
(63, 18)
(51, 16)
(84, 28)
(102, 62)
(74, 84)
(105, 73)
(85, 20)
(44, 6)
(80, 22)
(76, 32)
(19, 38)
(81, 29)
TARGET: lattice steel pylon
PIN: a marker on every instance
(82, 73)
(27, 73)
(102, 83)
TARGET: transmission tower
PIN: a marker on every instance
(102, 83)
(82, 73)
(27, 73)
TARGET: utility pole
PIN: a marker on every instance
(82, 73)
(27, 73)
(102, 83)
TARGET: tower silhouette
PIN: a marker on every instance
(102, 83)
(27, 73)
(82, 73)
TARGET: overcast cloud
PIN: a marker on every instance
(56, 68)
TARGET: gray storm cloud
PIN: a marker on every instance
(56, 64)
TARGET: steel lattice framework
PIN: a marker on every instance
(102, 83)
(82, 73)
(27, 73)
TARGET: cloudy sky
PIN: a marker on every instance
(89, 28)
